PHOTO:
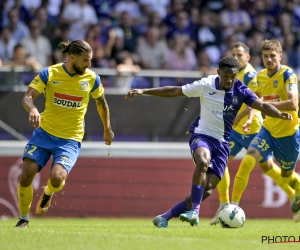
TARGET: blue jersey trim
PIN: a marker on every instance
(65, 69)
(96, 83)
(287, 74)
(249, 76)
(44, 75)
(217, 82)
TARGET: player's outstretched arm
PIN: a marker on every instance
(27, 101)
(270, 110)
(167, 91)
(104, 114)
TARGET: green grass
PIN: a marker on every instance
(133, 234)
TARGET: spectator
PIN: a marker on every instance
(79, 15)
(104, 9)
(18, 29)
(99, 60)
(126, 70)
(7, 44)
(37, 45)
(115, 43)
(94, 36)
(254, 41)
(182, 56)
(208, 37)
(131, 34)
(12, 80)
(175, 7)
(291, 50)
(61, 34)
(154, 53)
(204, 64)
(47, 28)
(256, 61)
(262, 23)
(32, 5)
(183, 26)
(24, 14)
(128, 6)
(53, 9)
(156, 6)
(234, 20)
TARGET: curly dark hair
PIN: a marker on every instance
(228, 62)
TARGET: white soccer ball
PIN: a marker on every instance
(232, 216)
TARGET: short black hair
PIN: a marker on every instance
(229, 62)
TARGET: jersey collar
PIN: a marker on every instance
(65, 69)
(275, 71)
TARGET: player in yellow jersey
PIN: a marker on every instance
(239, 138)
(278, 85)
(60, 128)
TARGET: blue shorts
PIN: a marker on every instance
(42, 145)
(219, 152)
(239, 141)
(285, 149)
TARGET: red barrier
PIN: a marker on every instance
(110, 187)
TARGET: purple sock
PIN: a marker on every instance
(197, 195)
(175, 211)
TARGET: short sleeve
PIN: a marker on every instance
(249, 96)
(39, 83)
(194, 89)
(97, 89)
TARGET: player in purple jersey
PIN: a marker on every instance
(221, 97)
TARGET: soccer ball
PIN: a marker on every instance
(232, 216)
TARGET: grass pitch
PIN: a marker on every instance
(140, 234)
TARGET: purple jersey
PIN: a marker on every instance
(218, 107)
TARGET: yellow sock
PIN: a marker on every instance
(275, 174)
(294, 182)
(25, 195)
(49, 189)
(223, 187)
(242, 177)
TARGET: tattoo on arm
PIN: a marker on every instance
(101, 102)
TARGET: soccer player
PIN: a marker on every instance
(239, 138)
(278, 85)
(60, 128)
(221, 97)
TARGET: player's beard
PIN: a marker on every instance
(78, 70)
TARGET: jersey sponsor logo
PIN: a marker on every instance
(212, 93)
(235, 100)
(219, 109)
(272, 98)
(275, 84)
(56, 82)
(256, 140)
(286, 164)
(35, 81)
(84, 85)
(68, 101)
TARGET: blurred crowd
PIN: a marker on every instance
(130, 35)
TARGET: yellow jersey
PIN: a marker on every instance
(275, 88)
(248, 75)
(67, 97)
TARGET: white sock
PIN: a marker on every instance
(25, 217)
